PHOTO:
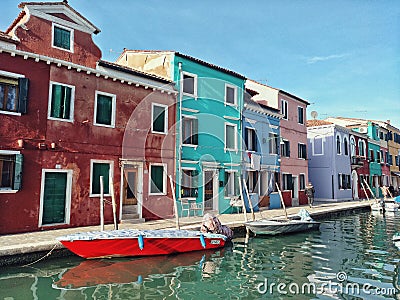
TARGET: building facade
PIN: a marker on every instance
(208, 128)
(329, 160)
(261, 153)
(64, 116)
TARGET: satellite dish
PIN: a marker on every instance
(314, 114)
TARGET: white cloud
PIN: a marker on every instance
(315, 59)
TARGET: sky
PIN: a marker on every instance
(341, 56)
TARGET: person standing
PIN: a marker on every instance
(310, 191)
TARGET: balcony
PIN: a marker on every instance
(357, 162)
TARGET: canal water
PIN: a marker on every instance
(351, 257)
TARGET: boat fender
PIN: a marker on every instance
(141, 241)
(140, 279)
(203, 241)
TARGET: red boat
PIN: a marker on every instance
(123, 243)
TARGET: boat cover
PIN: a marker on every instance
(132, 233)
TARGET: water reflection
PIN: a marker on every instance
(359, 246)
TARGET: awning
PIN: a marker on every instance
(396, 173)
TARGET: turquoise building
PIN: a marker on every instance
(208, 129)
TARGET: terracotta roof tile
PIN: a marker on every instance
(312, 123)
(7, 38)
(202, 62)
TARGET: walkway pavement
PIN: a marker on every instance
(26, 243)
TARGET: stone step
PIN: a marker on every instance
(129, 209)
(132, 221)
(129, 216)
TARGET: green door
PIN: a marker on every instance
(54, 198)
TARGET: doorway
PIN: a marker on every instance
(55, 197)
(131, 194)
(210, 184)
(355, 184)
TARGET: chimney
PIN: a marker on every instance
(388, 121)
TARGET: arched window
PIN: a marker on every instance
(346, 146)
(352, 146)
(361, 148)
(338, 145)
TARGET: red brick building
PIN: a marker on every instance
(68, 118)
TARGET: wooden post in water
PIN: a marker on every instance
(283, 202)
(365, 192)
(248, 198)
(114, 204)
(101, 203)
(376, 200)
(175, 204)
(243, 205)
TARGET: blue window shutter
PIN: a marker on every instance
(23, 86)
(19, 159)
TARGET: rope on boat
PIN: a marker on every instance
(43, 257)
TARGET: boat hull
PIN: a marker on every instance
(140, 244)
(272, 227)
(389, 206)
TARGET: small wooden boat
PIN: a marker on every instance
(124, 243)
(274, 227)
(299, 223)
(386, 205)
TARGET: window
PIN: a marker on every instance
(338, 145)
(231, 183)
(190, 131)
(361, 148)
(285, 148)
(230, 94)
(10, 171)
(230, 136)
(346, 146)
(302, 182)
(13, 93)
(352, 147)
(61, 103)
(284, 109)
(318, 146)
(371, 155)
(344, 182)
(389, 159)
(100, 168)
(250, 139)
(158, 179)
(287, 181)
(63, 37)
(273, 143)
(189, 183)
(300, 115)
(302, 151)
(381, 135)
(252, 179)
(159, 116)
(104, 109)
(189, 84)
(378, 156)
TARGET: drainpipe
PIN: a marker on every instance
(178, 177)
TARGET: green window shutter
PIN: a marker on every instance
(19, 159)
(100, 169)
(66, 108)
(230, 137)
(56, 101)
(158, 118)
(195, 139)
(23, 86)
(157, 179)
(62, 38)
(104, 110)
(237, 178)
(226, 184)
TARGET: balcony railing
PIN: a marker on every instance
(357, 161)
